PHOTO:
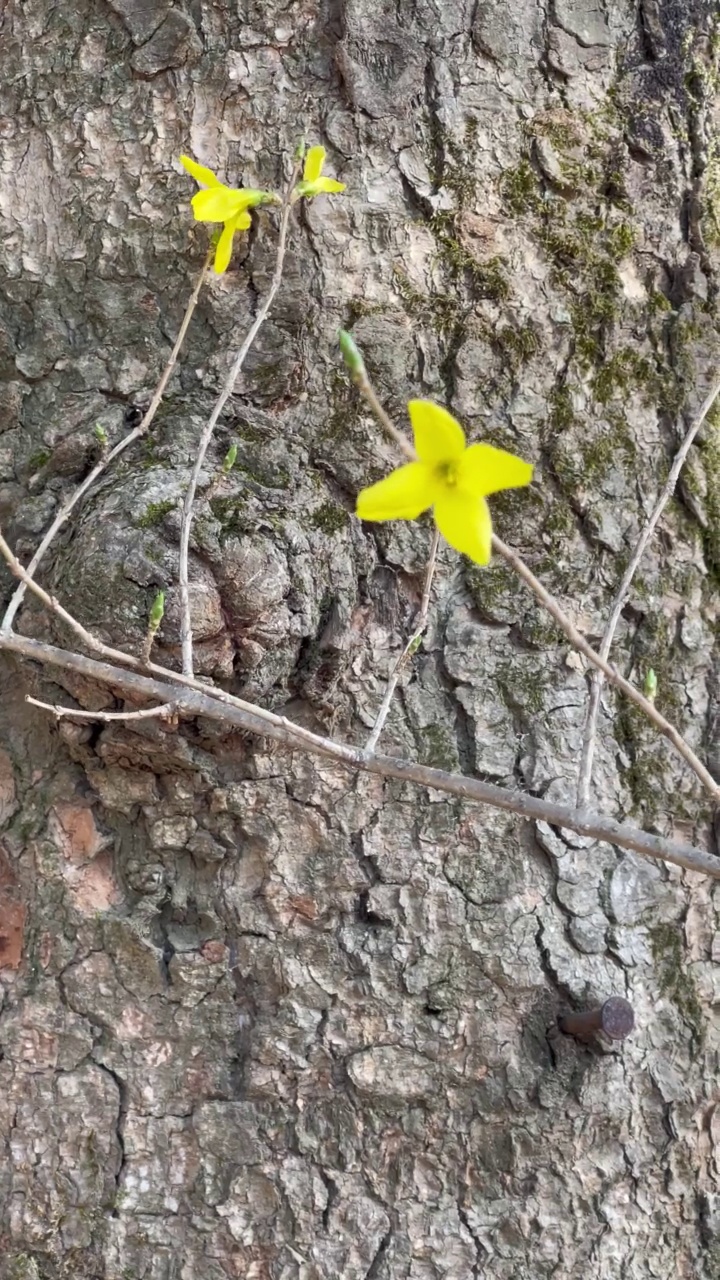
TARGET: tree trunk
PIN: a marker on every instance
(261, 1018)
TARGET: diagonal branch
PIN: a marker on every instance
(224, 396)
(67, 509)
(580, 643)
(118, 657)
(199, 702)
(194, 698)
(591, 719)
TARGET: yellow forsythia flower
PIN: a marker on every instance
(228, 205)
(313, 183)
(451, 477)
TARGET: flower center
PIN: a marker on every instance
(446, 472)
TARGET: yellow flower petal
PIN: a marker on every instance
(438, 437)
(219, 204)
(199, 172)
(314, 162)
(224, 248)
(402, 495)
(484, 469)
(328, 184)
(223, 252)
(465, 523)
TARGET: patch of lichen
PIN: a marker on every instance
(494, 590)
(38, 460)
(585, 242)
(520, 189)
(21, 1266)
(329, 518)
(440, 311)
(702, 83)
(584, 253)
(653, 647)
(150, 451)
(249, 431)
(523, 684)
(266, 472)
(345, 408)
(488, 278)
(640, 771)
(232, 517)
(675, 977)
(452, 168)
(562, 128)
(516, 344)
(709, 450)
(558, 524)
(561, 414)
(155, 513)
(621, 373)
(585, 236)
(583, 460)
(437, 748)
(358, 309)
(539, 631)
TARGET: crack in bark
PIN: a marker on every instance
(373, 1270)
(120, 1122)
(480, 1251)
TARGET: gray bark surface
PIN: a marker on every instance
(261, 1019)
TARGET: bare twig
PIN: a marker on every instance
(117, 656)
(367, 390)
(596, 684)
(409, 649)
(164, 712)
(27, 581)
(224, 396)
(550, 603)
(580, 643)
(146, 649)
(197, 702)
(67, 509)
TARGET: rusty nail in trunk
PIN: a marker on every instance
(615, 1019)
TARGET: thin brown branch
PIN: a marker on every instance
(227, 390)
(410, 648)
(367, 390)
(67, 509)
(27, 581)
(580, 643)
(195, 702)
(596, 684)
(146, 649)
(138, 664)
(165, 711)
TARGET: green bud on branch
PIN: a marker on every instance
(156, 612)
(229, 459)
(353, 360)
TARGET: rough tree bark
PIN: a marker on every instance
(261, 1019)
